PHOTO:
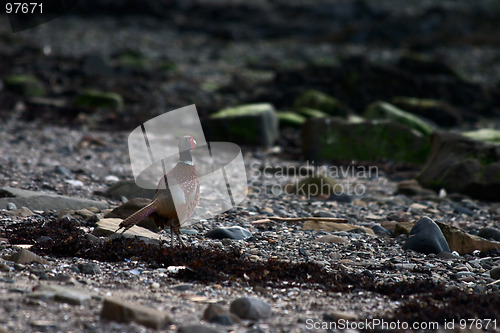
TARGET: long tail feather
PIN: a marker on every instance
(137, 217)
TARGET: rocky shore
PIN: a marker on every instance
(372, 168)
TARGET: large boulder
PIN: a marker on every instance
(326, 139)
(251, 124)
(460, 164)
(383, 110)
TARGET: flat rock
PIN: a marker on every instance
(123, 311)
(426, 237)
(234, 232)
(44, 201)
(106, 227)
(24, 256)
(333, 226)
(128, 208)
(463, 242)
(250, 308)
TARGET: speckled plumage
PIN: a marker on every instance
(182, 184)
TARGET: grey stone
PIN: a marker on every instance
(426, 237)
(250, 308)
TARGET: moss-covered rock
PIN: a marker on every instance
(99, 99)
(440, 112)
(25, 84)
(251, 124)
(318, 100)
(383, 110)
(326, 139)
(485, 134)
(290, 119)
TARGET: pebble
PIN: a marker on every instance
(250, 308)
(234, 232)
(426, 237)
(11, 206)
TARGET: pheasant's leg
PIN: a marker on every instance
(180, 239)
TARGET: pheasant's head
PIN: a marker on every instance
(186, 143)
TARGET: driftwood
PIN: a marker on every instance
(300, 219)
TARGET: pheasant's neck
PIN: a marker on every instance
(185, 157)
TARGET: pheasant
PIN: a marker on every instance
(181, 183)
